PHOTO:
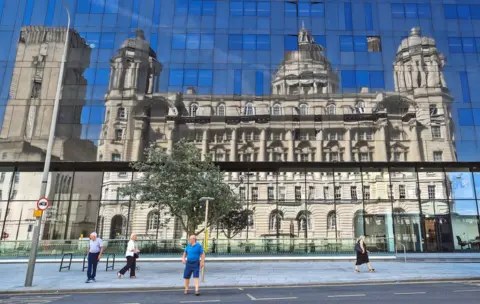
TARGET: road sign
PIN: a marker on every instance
(37, 213)
(43, 203)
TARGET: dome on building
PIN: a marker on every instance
(306, 70)
(137, 44)
(415, 44)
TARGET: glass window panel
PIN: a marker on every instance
(249, 8)
(235, 42)
(190, 77)
(205, 78)
(450, 11)
(317, 9)
(249, 42)
(290, 9)
(468, 45)
(346, 43)
(360, 43)
(207, 42)
(195, 7)
(27, 16)
(348, 16)
(411, 11)
(321, 40)
(377, 79)
(424, 11)
(455, 45)
(368, 16)
(98, 6)
(178, 41)
(465, 117)
(107, 41)
(475, 11)
(465, 88)
(112, 7)
(176, 77)
(263, 42)
(263, 9)
(463, 11)
(193, 41)
(50, 12)
(348, 79)
(236, 8)
(102, 76)
(181, 7)
(208, 8)
(237, 89)
(363, 79)
(303, 9)
(259, 83)
(83, 7)
(398, 10)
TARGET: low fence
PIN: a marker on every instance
(220, 247)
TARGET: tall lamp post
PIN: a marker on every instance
(205, 239)
(48, 157)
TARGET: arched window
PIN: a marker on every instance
(121, 114)
(360, 107)
(193, 109)
(332, 220)
(303, 109)
(153, 219)
(276, 110)
(221, 110)
(249, 109)
(304, 221)
(275, 221)
(331, 109)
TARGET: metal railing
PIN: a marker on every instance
(69, 263)
(404, 251)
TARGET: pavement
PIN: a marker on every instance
(425, 293)
(160, 276)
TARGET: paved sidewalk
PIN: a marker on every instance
(169, 275)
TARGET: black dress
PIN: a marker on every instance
(362, 258)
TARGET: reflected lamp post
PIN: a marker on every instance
(48, 157)
(205, 238)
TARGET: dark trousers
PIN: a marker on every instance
(131, 264)
(92, 265)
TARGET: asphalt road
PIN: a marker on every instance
(425, 293)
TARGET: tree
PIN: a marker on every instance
(175, 182)
(235, 222)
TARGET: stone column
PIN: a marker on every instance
(319, 141)
(291, 146)
(169, 140)
(348, 145)
(414, 151)
(262, 150)
(233, 146)
(204, 144)
(380, 145)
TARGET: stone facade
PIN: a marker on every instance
(305, 119)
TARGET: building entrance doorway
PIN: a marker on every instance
(438, 234)
(116, 228)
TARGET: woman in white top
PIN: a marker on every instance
(131, 254)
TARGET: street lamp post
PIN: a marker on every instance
(48, 157)
(205, 238)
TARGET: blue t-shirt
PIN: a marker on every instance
(194, 252)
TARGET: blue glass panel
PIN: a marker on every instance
(236, 8)
(205, 78)
(291, 43)
(317, 10)
(107, 41)
(469, 45)
(368, 16)
(28, 12)
(195, 7)
(465, 88)
(249, 42)
(1, 12)
(181, 7)
(102, 76)
(463, 11)
(263, 42)
(377, 80)
(98, 6)
(190, 77)
(465, 117)
(208, 8)
(398, 10)
(411, 11)
(83, 6)
(237, 87)
(178, 41)
(154, 41)
(424, 11)
(348, 79)
(207, 42)
(259, 83)
(475, 11)
(176, 77)
(290, 9)
(450, 11)
(263, 9)
(476, 117)
(348, 16)
(346, 43)
(360, 43)
(136, 9)
(156, 12)
(112, 6)
(321, 40)
(303, 9)
(235, 42)
(250, 9)
(455, 45)
(193, 41)
(50, 12)
(362, 78)
(93, 40)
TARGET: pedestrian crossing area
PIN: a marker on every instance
(32, 299)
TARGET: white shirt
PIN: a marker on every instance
(131, 245)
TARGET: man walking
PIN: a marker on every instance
(94, 253)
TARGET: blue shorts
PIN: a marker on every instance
(191, 267)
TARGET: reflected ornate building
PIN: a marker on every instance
(305, 119)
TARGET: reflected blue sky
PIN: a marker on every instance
(232, 47)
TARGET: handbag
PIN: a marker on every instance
(136, 256)
(358, 248)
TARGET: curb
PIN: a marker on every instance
(253, 286)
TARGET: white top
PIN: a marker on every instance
(131, 245)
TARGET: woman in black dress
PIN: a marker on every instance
(362, 254)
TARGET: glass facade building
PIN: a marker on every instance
(301, 81)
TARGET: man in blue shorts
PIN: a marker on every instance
(194, 259)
